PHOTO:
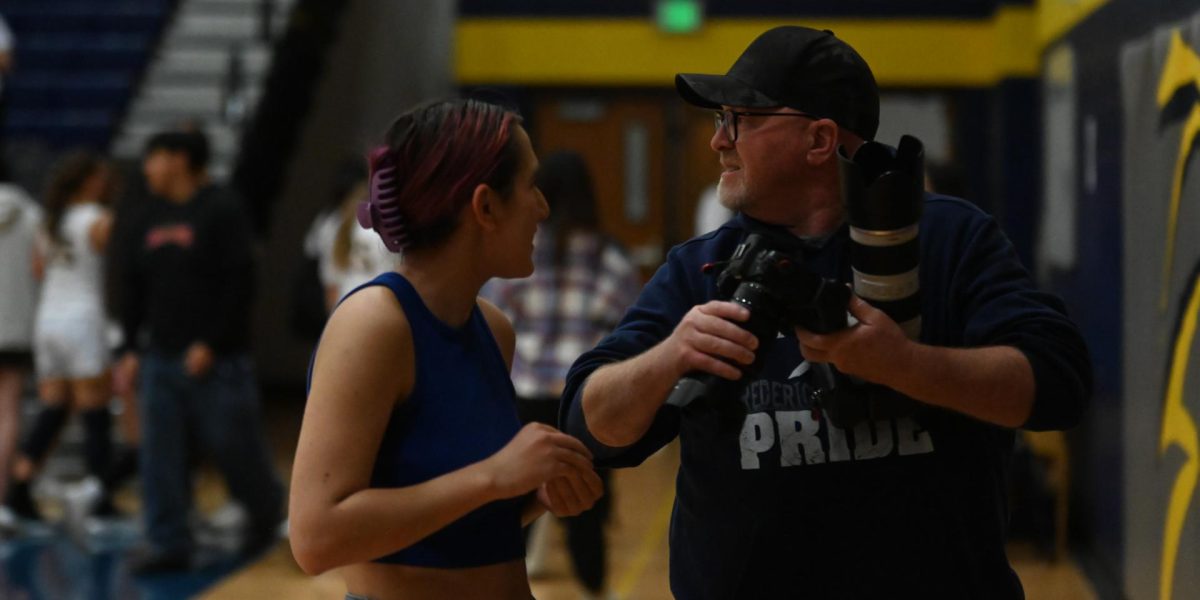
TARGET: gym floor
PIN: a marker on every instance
(54, 561)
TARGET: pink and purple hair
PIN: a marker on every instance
(435, 156)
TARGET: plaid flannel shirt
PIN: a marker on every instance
(561, 312)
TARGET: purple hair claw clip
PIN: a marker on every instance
(381, 211)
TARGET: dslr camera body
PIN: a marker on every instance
(883, 192)
(780, 295)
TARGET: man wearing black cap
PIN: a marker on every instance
(788, 505)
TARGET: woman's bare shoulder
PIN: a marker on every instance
(367, 344)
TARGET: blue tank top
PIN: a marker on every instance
(461, 410)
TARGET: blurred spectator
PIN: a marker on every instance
(582, 283)
(71, 350)
(348, 255)
(190, 278)
(19, 218)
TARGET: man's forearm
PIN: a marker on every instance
(993, 384)
(620, 400)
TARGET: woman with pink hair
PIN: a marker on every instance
(413, 474)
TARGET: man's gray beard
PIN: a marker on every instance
(733, 199)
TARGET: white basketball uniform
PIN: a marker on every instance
(368, 256)
(70, 331)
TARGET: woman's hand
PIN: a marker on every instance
(569, 496)
(538, 454)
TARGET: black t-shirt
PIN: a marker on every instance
(785, 505)
(188, 272)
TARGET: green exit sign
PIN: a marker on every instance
(679, 16)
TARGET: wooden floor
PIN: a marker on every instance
(637, 559)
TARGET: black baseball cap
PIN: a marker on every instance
(806, 69)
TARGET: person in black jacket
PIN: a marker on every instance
(189, 282)
(773, 499)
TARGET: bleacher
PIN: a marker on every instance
(77, 64)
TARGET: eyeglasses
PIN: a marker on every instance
(728, 119)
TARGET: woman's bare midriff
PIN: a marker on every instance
(380, 581)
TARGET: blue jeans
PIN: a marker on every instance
(220, 412)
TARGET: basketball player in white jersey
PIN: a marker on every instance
(71, 351)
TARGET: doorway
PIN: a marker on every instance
(649, 157)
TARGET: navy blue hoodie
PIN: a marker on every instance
(791, 506)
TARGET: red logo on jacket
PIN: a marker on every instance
(181, 235)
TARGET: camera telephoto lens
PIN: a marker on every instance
(883, 191)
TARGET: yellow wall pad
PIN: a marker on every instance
(599, 52)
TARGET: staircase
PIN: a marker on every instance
(208, 72)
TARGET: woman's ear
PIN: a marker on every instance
(484, 206)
